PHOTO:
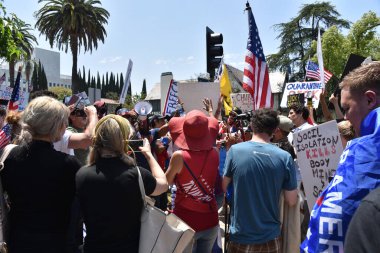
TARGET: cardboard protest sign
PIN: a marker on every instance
(243, 101)
(6, 93)
(296, 99)
(171, 99)
(318, 150)
(192, 94)
(309, 89)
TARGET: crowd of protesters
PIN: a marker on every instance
(72, 183)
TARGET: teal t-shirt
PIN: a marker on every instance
(259, 172)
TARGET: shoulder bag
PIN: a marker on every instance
(159, 232)
(4, 208)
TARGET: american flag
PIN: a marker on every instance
(14, 101)
(2, 79)
(256, 76)
(312, 71)
(5, 135)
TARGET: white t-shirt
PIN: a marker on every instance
(63, 144)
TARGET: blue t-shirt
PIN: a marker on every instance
(259, 172)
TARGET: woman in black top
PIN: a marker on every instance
(108, 189)
(40, 181)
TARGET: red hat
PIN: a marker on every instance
(195, 131)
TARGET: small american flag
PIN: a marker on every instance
(5, 135)
(312, 71)
(256, 76)
(14, 101)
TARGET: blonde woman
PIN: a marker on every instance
(108, 189)
(40, 181)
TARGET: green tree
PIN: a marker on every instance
(35, 80)
(143, 91)
(61, 92)
(73, 24)
(298, 34)
(24, 44)
(43, 80)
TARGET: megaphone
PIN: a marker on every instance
(143, 108)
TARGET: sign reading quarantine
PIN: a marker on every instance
(309, 89)
(318, 150)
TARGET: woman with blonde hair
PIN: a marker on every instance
(108, 188)
(40, 181)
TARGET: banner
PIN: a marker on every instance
(171, 98)
(126, 83)
(243, 101)
(318, 150)
(6, 93)
(309, 89)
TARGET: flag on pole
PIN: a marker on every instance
(226, 90)
(256, 76)
(14, 101)
(320, 58)
(2, 79)
(312, 71)
(5, 135)
(218, 73)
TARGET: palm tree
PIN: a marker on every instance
(23, 40)
(72, 24)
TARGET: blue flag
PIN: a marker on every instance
(358, 173)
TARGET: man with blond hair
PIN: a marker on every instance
(358, 171)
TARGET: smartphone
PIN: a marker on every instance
(135, 144)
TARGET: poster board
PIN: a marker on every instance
(309, 89)
(192, 94)
(296, 99)
(6, 93)
(318, 150)
(243, 101)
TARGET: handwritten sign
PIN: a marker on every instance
(309, 89)
(171, 98)
(6, 93)
(243, 101)
(318, 150)
(296, 99)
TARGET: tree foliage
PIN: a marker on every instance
(73, 24)
(143, 91)
(61, 92)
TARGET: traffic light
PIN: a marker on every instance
(214, 51)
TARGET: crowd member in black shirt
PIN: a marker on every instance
(40, 181)
(108, 189)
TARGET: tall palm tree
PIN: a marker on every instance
(24, 40)
(72, 24)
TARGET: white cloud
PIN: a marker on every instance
(110, 59)
(161, 62)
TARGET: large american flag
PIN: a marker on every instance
(312, 71)
(5, 135)
(256, 76)
(14, 101)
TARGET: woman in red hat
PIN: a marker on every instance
(193, 169)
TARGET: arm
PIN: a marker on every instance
(334, 101)
(325, 110)
(163, 130)
(84, 140)
(225, 183)
(175, 166)
(219, 108)
(291, 197)
(161, 182)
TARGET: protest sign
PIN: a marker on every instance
(309, 89)
(171, 99)
(6, 93)
(318, 150)
(192, 94)
(243, 101)
(298, 99)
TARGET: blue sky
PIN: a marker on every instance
(169, 35)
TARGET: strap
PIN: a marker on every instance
(141, 185)
(5, 154)
(196, 179)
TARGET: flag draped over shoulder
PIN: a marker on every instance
(14, 101)
(256, 75)
(226, 90)
(312, 71)
(5, 135)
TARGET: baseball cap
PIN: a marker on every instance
(285, 123)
